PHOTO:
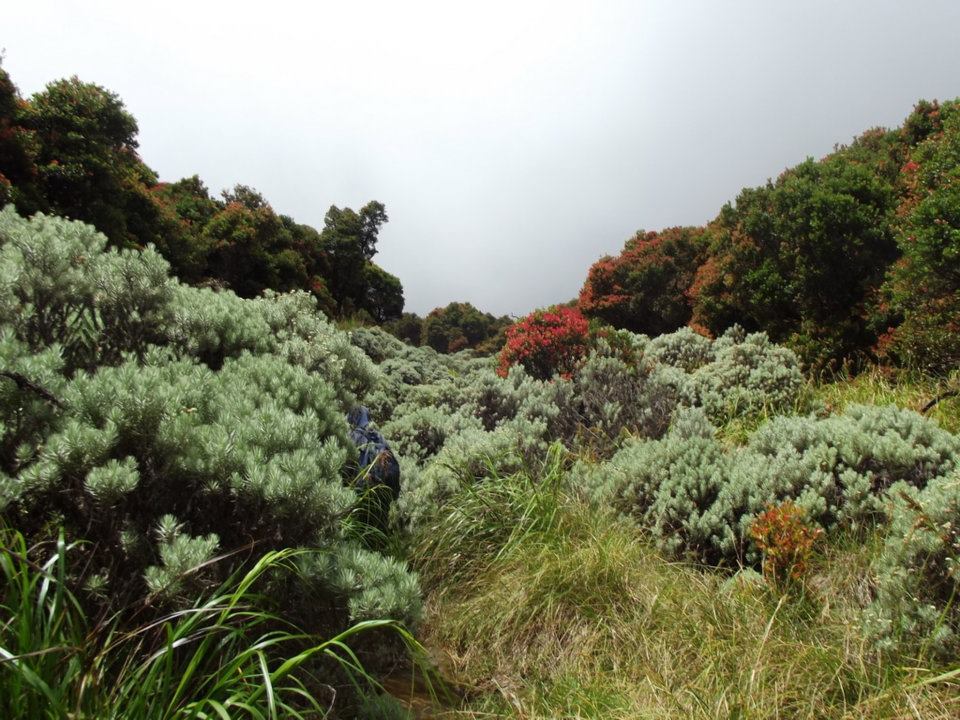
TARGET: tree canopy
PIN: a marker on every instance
(844, 259)
(71, 150)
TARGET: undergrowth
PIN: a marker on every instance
(227, 656)
(546, 607)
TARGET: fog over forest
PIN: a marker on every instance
(512, 144)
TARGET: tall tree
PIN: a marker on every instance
(349, 239)
(87, 162)
(384, 297)
(644, 289)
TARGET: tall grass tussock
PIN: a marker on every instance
(547, 607)
(227, 656)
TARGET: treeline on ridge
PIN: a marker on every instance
(458, 326)
(848, 259)
(71, 150)
(853, 257)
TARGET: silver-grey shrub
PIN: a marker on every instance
(668, 486)
(747, 374)
(838, 468)
(608, 396)
(215, 325)
(917, 605)
(59, 284)
(698, 497)
(468, 457)
(683, 349)
(201, 424)
(421, 432)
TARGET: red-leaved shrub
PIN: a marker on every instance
(546, 342)
(644, 289)
(785, 537)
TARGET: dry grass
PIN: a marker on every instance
(572, 614)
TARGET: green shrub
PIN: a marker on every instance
(924, 287)
(199, 424)
(917, 606)
(495, 400)
(698, 498)
(25, 415)
(377, 344)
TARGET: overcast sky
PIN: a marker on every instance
(513, 143)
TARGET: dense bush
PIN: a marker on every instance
(61, 287)
(829, 258)
(924, 288)
(849, 460)
(801, 257)
(699, 498)
(683, 349)
(438, 408)
(26, 416)
(421, 432)
(546, 343)
(608, 396)
(184, 424)
(669, 486)
(746, 374)
(737, 375)
(408, 327)
(644, 289)
(918, 573)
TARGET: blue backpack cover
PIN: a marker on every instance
(376, 464)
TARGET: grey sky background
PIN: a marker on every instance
(513, 143)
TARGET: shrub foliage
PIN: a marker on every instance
(166, 425)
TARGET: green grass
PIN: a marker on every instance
(544, 607)
(225, 657)
(878, 387)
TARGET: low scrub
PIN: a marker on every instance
(544, 607)
(161, 426)
(918, 598)
(698, 497)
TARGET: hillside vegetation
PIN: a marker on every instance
(71, 150)
(645, 506)
(849, 259)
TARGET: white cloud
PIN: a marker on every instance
(513, 143)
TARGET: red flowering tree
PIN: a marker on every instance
(546, 342)
(644, 289)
